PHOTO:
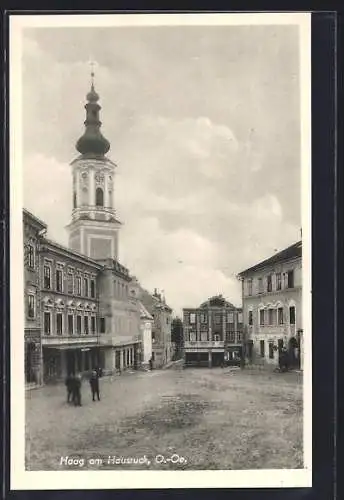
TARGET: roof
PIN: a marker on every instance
(144, 313)
(217, 301)
(292, 252)
(34, 220)
(150, 301)
(72, 253)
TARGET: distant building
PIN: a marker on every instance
(212, 333)
(272, 306)
(162, 348)
(146, 324)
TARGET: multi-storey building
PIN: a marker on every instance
(162, 348)
(69, 310)
(33, 231)
(212, 333)
(84, 312)
(272, 306)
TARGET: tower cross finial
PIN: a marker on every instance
(92, 65)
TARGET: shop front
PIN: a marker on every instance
(60, 361)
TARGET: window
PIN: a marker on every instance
(262, 349)
(78, 325)
(280, 315)
(31, 306)
(239, 336)
(260, 285)
(278, 281)
(70, 324)
(261, 317)
(290, 279)
(204, 318)
(59, 324)
(93, 289)
(231, 337)
(271, 350)
(216, 337)
(47, 277)
(240, 317)
(93, 325)
(269, 283)
(230, 317)
(217, 319)
(47, 324)
(102, 325)
(292, 315)
(86, 325)
(270, 316)
(249, 287)
(192, 318)
(250, 317)
(128, 360)
(70, 284)
(31, 256)
(74, 199)
(78, 285)
(99, 197)
(59, 280)
(86, 287)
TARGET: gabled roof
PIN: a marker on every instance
(292, 252)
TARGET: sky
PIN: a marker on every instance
(204, 125)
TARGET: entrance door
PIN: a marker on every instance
(118, 360)
(29, 371)
(294, 358)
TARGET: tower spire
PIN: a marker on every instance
(92, 143)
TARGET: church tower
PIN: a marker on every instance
(93, 230)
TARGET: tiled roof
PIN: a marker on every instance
(291, 252)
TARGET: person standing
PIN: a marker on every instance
(69, 386)
(94, 383)
(77, 390)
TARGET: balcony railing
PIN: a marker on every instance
(93, 209)
(204, 344)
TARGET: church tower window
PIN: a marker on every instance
(99, 197)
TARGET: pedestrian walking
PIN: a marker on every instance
(69, 382)
(151, 364)
(77, 390)
(94, 383)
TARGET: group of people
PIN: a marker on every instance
(73, 386)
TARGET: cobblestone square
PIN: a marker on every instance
(175, 419)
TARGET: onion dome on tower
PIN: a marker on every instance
(92, 143)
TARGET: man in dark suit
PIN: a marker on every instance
(77, 389)
(94, 383)
(69, 386)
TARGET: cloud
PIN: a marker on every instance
(205, 137)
